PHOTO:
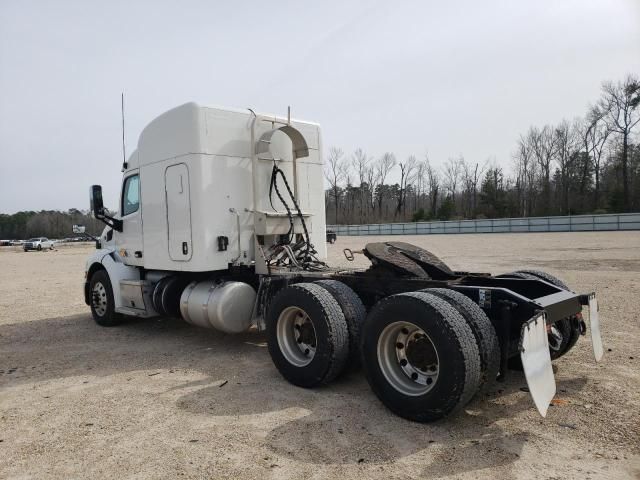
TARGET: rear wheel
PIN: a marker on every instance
(420, 356)
(102, 301)
(564, 333)
(307, 335)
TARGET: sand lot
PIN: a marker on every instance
(161, 399)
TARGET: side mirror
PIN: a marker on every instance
(95, 196)
(97, 208)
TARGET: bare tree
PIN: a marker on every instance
(470, 177)
(421, 171)
(568, 142)
(406, 178)
(384, 165)
(543, 145)
(526, 174)
(433, 179)
(452, 170)
(620, 103)
(335, 173)
(371, 180)
(360, 163)
(595, 135)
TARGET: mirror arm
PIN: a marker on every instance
(110, 221)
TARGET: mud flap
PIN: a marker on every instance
(594, 324)
(536, 362)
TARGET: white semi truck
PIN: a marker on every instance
(221, 222)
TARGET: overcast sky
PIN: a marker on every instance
(449, 78)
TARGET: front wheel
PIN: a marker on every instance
(39, 247)
(102, 301)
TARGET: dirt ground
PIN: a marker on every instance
(162, 399)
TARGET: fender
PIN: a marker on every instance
(110, 260)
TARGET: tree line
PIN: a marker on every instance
(47, 223)
(587, 165)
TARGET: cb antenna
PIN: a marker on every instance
(124, 152)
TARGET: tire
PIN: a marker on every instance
(102, 301)
(423, 255)
(39, 248)
(574, 334)
(568, 327)
(526, 276)
(546, 277)
(354, 313)
(418, 318)
(482, 328)
(305, 356)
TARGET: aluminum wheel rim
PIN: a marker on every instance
(99, 299)
(408, 358)
(296, 336)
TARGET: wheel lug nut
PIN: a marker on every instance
(414, 376)
(429, 381)
(306, 351)
(405, 331)
(403, 362)
(399, 346)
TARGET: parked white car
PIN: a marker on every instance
(40, 243)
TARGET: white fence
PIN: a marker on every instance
(574, 223)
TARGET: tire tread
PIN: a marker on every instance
(482, 328)
(354, 312)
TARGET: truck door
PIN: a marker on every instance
(129, 241)
(178, 212)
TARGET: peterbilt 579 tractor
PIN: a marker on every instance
(222, 222)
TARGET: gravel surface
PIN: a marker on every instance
(161, 399)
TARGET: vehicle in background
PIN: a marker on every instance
(38, 243)
(331, 236)
(5, 243)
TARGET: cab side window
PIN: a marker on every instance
(131, 195)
